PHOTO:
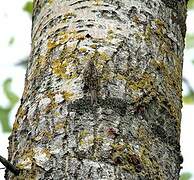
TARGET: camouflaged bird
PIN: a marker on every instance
(91, 80)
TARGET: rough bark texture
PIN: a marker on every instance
(102, 97)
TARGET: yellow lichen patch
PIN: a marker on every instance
(50, 1)
(57, 67)
(15, 125)
(67, 95)
(94, 46)
(53, 104)
(50, 95)
(51, 44)
(47, 134)
(20, 166)
(82, 49)
(104, 56)
(46, 152)
(50, 107)
(159, 32)
(70, 14)
(63, 69)
(110, 34)
(87, 57)
(159, 22)
(26, 160)
(72, 33)
(57, 114)
(43, 134)
(21, 112)
(80, 36)
(83, 133)
(59, 125)
(97, 2)
(120, 77)
(107, 75)
(42, 61)
(63, 38)
(98, 139)
(148, 34)
(68, 52)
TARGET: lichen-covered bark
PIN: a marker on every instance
(102, 97)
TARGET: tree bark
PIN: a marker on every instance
(102, 97)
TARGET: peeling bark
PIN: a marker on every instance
(124, 122)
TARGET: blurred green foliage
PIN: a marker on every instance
(189, 41)
(185, 176)
(28, 7)
(5, 111)
(189, 98)
(190, 4)
(11, 41)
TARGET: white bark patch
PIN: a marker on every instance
(74, 86)
(58, 98)
(57, 146)
(42, 157)
(31, 111)
(117, 90)
(44, 103)
(105, 170)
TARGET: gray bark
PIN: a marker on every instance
(102, 97)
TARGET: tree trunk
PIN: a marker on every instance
(102, 97)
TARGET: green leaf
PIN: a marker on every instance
(189, 41)
(185, 176)
(188, 99)
(190, 4)
(11, 41)
(5, 112)
(4, 119)
(28, 7)
(11, 96)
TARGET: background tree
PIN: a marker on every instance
(126, 124)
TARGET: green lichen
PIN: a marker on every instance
(170, 81)
(110, 34)
(148, 34)
(83, 133)
(146, 82)
(150, 163)
(124, 156)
